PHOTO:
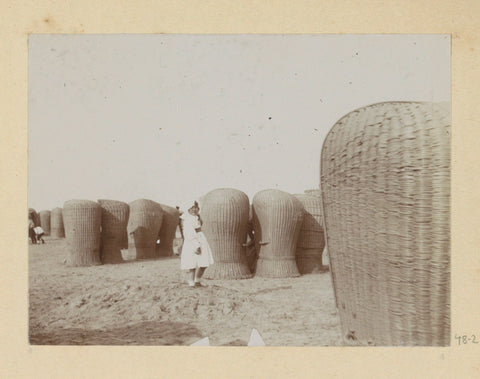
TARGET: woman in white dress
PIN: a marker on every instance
(196, 253)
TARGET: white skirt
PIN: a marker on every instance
(189, 259)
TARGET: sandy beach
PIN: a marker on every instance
(148, 303)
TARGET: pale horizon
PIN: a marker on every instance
(171, 117)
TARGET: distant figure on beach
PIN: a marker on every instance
(39, 234)
(196, 254)
(31, 231)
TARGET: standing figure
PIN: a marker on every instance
(196, 254)
(39, 233)
(31, 231)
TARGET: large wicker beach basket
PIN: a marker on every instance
(225, 221)
(45, 221)
(114, 229)
(311, 240)
(171, 218)
(314, 192)
(277, 219)
(56, 223)
(82, 221)
(385, 179)
(143, 226)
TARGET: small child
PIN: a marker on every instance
(196, 253)
(39, 233)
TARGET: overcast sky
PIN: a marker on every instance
(171, 117)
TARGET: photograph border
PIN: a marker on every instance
(460, 19)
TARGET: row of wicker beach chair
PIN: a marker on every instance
(383, 212)
(287, 228)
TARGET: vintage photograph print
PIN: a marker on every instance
(239, 190)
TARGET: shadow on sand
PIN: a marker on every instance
(158, 333)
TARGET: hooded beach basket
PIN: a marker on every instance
(143, 226)
(56, 223)
(311, 240)
(385, 179)
(82, 220)
(313, 192)
(171, 218)
(114, 229)
(277, 219)
(45, 221)
(225, 221)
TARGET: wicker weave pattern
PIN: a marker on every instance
(114, 229)
(311, 240)
(56, 223)
(385, 178)
(143, 226)
(225, 221)
(277, 219)
(313, 192)
(45, 221)
(171, 217)
(82, 220)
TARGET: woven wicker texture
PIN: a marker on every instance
(225, 221)
(114, 230)
(34, 215)
(82, 221)
(385, 179)
(314, 192)
(56, 223)
(311, 240)
(45, 221)
(277, 220)
(143, 226)
(171, 217)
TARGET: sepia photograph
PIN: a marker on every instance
(239, 189)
